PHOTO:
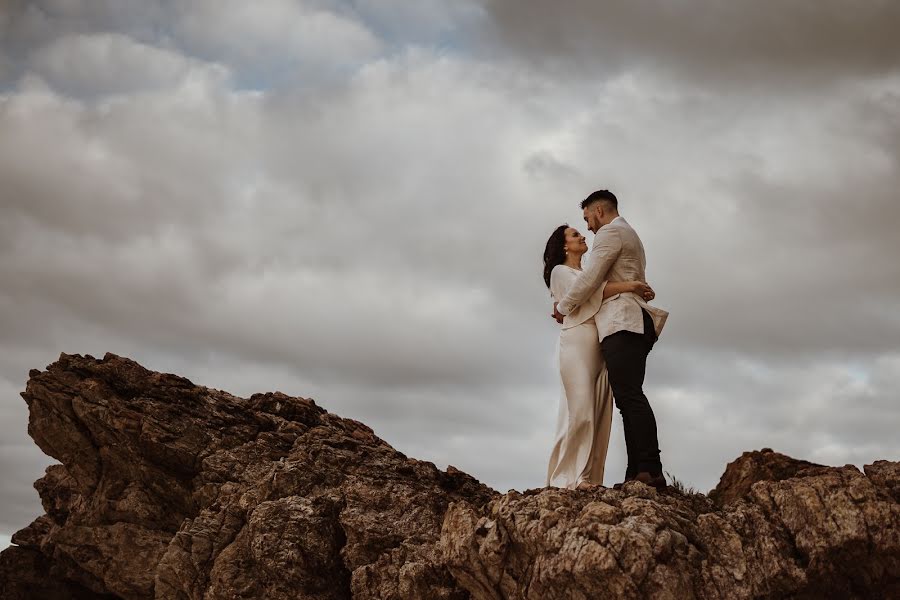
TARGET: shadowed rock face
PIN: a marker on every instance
(171, 490)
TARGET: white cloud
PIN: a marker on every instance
(112, 63)
(263, 43)
(276, 35)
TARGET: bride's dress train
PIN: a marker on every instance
(586, 403)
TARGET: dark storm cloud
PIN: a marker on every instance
(793, 43)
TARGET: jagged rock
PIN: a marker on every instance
(832, 533)
(759, 465)
(885, 475)
(171, 490)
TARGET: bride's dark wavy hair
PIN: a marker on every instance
(555, 252)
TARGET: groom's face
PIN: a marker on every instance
(592, 217)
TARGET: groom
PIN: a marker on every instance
(628, 328)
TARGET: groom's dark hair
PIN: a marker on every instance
(601, 195)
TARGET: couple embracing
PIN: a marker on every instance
(608, 329)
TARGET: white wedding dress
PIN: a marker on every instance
(586, 401)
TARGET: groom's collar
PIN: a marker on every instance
(618, 218)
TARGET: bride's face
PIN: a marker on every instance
(575, 242)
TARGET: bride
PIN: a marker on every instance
(586, 401)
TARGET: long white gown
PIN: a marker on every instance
(586, 402)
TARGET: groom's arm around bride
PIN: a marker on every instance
(617, 254)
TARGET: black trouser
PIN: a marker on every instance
(626, 360)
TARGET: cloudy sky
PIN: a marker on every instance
(349, 200)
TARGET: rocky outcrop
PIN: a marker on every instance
(762, 465)
(171, 490)
(834, 533)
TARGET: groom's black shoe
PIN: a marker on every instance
(657, 481)
(618, 486)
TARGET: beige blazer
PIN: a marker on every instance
(617, 254)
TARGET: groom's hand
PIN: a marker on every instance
(557, 315)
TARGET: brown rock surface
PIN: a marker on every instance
(832, 533)
(172, 490)
(759, 465)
